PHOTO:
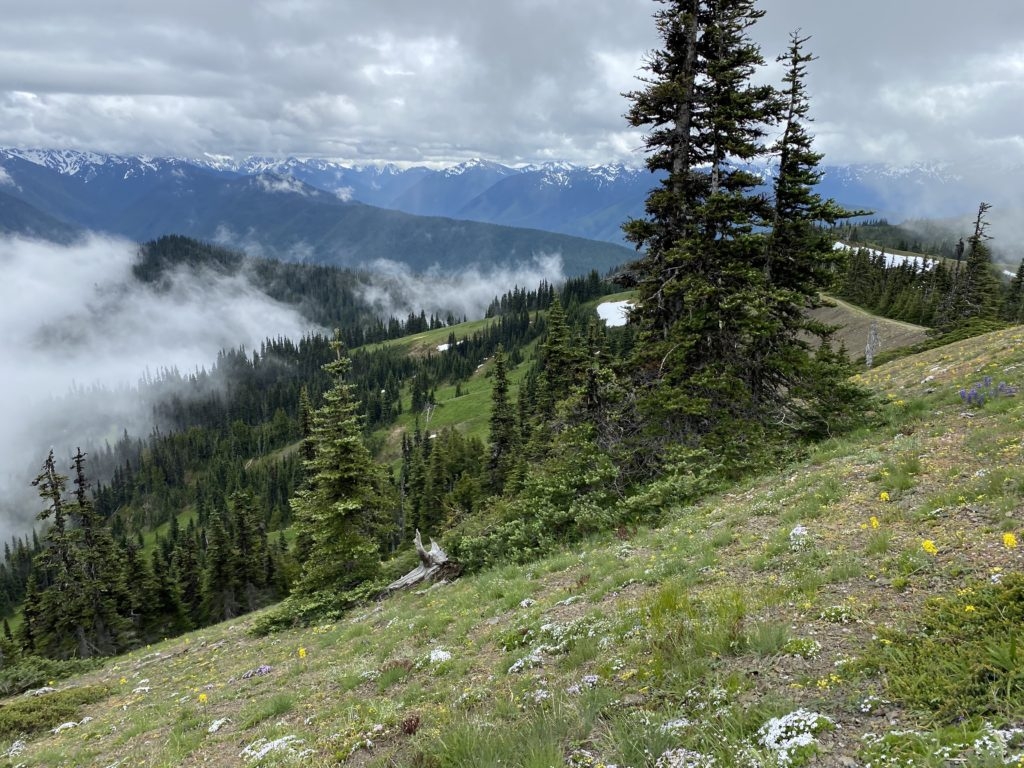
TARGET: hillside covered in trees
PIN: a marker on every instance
(295, 475)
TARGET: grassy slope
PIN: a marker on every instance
(469, 413)
(855, 323)
(715, 596)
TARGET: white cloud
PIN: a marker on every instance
(282, 184)
(73, 318)
(397, 291)
(453, 79)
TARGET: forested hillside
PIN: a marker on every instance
(291, 479)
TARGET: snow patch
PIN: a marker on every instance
(614, 313)
(891, 259)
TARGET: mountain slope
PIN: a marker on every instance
(775, 609)
(272, 215)
(19, 218)
(590, 202)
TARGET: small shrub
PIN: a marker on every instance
(27, 716)
(34, 672)
(965, 655)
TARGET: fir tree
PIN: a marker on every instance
(1013, 303)
(105, 629)
(727, 273)
(503, 434)
(975, 290)
(337, 511)
(220, 579)
(701, 294)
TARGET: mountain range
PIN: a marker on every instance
(327, 211)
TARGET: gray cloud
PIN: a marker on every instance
(79, 335)
(447, 80)
(397, 291)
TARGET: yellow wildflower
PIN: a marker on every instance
(884, 496)
(929, 546)
(302, 653)
(874, 522)
(202, 698)
(1009, 541)
(969, 608)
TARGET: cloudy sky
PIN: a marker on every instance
(521, 81)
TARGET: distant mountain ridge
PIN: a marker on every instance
(266, 212)
(582, 201)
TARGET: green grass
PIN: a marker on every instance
(693, 634)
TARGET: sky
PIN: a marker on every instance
(899, 81)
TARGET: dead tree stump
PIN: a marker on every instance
(434, 566)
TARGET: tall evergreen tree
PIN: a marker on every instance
(1013, 302)
(503, 434)
(105, 630)
(727, 272)
(701, 291)
(339, 511)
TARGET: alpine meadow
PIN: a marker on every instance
(445, 465)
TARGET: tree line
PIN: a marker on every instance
(590, 428)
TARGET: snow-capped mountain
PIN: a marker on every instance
(585, 201)
(289, 209)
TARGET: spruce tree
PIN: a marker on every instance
(503, 434)
(104, 592)
(339, 510)
(720, 301)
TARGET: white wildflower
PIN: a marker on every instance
(790, 734)
(439, 656)
(261, 747)
(675, 725)
(684, 758)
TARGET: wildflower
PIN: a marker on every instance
(439, 656)
(1009, 541)
(302, 653)
(123, 681)
(969, 609)
(883, 496)
(202, 698)
(929, 546)
(874, 522)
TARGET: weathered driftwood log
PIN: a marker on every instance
(434, 566)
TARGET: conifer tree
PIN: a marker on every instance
(720, 298)
(105, 629)
(503, 425)
(558, 360)
(701, 293)
(799, 261)
(339, 511)
(1013, 303)
(220, 579)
